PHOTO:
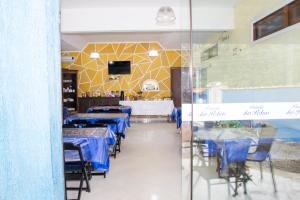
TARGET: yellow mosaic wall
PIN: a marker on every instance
(93, 74)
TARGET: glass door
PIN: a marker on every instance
(241, 103)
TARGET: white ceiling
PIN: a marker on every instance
(169, 40)
(69, 4)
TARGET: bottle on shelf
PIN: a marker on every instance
(122, 98)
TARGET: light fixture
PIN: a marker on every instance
(94, 55)
(153, 53)
(165, 16)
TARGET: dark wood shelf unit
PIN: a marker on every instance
(69, 90)
(86, 102)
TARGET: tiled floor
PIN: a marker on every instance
(148, 168)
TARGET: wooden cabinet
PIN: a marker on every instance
(86, 102)
(69, 90)
(180, 91)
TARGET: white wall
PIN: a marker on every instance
(132, 19)
(213, 19)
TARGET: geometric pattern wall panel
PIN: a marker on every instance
(93, 74)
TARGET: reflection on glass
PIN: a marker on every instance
(269, 25)
(257, 158)
(294, 12)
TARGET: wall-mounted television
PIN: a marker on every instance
(119, 67)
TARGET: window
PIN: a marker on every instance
(210, 53)
(278, 20)
(294, 12)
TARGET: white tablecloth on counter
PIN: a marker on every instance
(155, 107)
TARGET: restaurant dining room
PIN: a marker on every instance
(119, 90)
(150, 100)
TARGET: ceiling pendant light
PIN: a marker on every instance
(94, 55)
(153, 53)
(165, 16)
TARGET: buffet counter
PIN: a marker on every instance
(149, 107)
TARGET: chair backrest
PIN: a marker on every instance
(78, 123)
(264, 143)
(90, 125)
(106, 111)
(236, 150)
(114, 111)
(69, 126)
(113, 125)
(68, 146)
(106, 121)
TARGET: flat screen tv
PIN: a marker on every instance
(119, 67)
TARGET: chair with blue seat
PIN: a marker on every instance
(231, 160)
(206, 147)
(262, 151)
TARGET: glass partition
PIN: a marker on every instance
(241, 108)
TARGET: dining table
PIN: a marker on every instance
(121, 120)
(215, 138)
(108, 109)
(231, 147)
(94, 144)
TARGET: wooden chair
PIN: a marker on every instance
(78, 123)
(107, 111)
(76, 170)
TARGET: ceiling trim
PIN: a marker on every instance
(135, 42)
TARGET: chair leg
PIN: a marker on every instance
(261, 170)
(65, 188)
(88, 189)
(245, 182)
(235, 188)
(218, 165)
(236, 182)
(245, 187)
(89, 171)
(272, 173)
(115, 151)
(80, 187)
(120, 140)
(118, 148)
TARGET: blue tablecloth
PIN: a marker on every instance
(123, 109)
(94, 149)
(231, 143)
(231, 151)
(106, 133)
(176, 115)
(111, 137)
(121, 119)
